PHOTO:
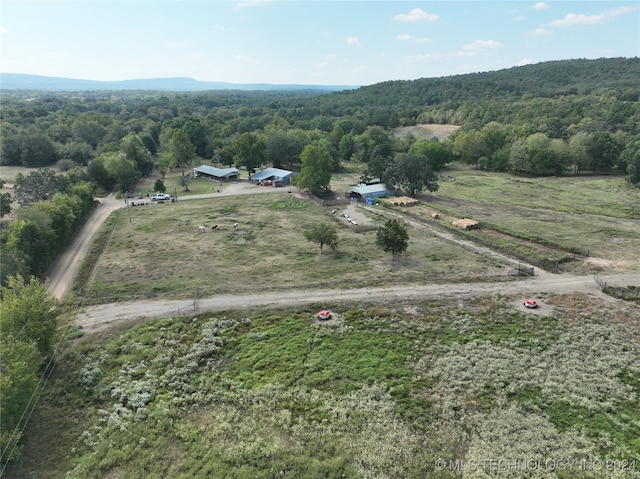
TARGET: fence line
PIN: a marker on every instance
(601, 282)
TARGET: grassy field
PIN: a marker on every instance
(161, 253)
(385, 392)
(370, 393)
(600, 215)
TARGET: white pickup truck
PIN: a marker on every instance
(160, 197)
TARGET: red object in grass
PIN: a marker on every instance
(530, 303)
(324, 314)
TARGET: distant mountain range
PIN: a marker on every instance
(19, 81)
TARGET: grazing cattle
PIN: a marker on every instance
(235, 225)
(214, 227)
(201, 229)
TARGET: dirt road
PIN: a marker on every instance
(101, 317)
(67, 265)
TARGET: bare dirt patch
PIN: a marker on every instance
(426, 131)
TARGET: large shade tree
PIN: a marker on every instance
(392, 238)
(249, 151)
(412, 173)
(182, 151)
(322, 234)
(315, 171)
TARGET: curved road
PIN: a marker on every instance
(100, 317)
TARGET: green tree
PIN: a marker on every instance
(577, 148)
(224, 155)
(89, 129)
(30, 239)
(322, 234)
(181, 149)
(435, 151)
(249, 151)
(123, 170)
(412, 173)
(374, 141)
(36, 150)
(134, 148)
(29, 314)
(392, 238)
(470, 146)
(28, 321)
(347, 147)
(603, 150)
(631, 158)
(19, 363)
(284, 147)
(39, 186)
(184, 181)
(315, 172)
(159, 186)
(5, 204)
(544, 155)
(99, 175)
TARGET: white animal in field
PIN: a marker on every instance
(201, 229)
(235, 226)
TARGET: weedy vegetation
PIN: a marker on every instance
(375, 392)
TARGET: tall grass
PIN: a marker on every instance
(370, 393)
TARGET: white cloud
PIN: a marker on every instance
(481, 45)
(409, 38)
(519, 18)
(540, 32)
(523, 62)
(249, 4)
(331, 56)
(416, 15)
(573, 19)
(4, 30)
(540, 6)
(353, 41)
(425, 58)
(460, 54)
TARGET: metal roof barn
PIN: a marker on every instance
(371, 191)
(274, 174)
(219, 174)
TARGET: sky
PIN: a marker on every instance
(305, 42)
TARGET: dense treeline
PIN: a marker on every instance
(28, 320)
(552, 118)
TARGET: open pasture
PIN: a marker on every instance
(600, 215)
(162, 253)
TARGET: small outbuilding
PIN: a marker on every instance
(275, 175)
(217, 174)
(368, 192)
